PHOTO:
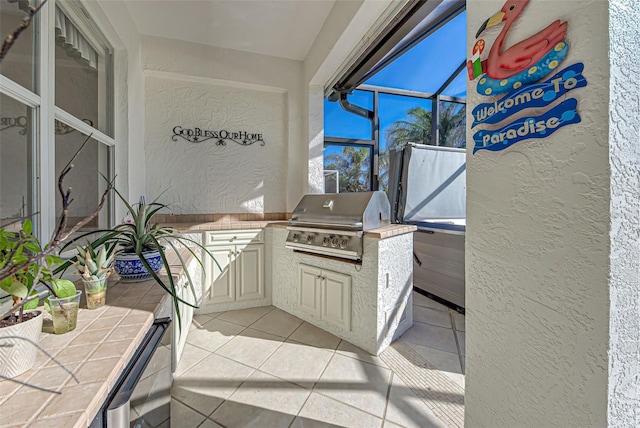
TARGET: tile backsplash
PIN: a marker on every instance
(222, 218)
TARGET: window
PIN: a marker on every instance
(418, 96)
(43, 129)
(17, 157)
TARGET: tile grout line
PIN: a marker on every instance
(455, 335)
(313, 387)
(386, 403)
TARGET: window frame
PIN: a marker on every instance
(42, 100)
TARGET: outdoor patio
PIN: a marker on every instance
(263, 367)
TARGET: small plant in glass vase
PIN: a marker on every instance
(142, 249)
(95, 266)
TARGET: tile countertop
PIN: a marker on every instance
(381, 232)
(95, 352)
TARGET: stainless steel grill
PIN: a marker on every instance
(333, 224)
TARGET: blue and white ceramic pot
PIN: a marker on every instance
(130, 268)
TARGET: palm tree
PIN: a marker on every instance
(354, 166)
(417, 129)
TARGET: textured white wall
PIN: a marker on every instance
(379, 287)
(205, 177)
(624, 152)
(182, 61)
(537, 248)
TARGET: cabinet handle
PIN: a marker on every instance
(233, 239)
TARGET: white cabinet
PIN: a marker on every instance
(325, 294)
(239, 274)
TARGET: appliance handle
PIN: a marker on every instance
(118, 408)
(338, 226)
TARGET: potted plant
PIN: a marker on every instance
(20, 326)
(95, 268)
(142, 248)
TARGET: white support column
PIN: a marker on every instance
(624, 155)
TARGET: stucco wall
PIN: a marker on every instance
(209, 178)
(182, 61)
(624, 150)
(537, 247)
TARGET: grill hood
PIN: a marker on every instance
(345, 211)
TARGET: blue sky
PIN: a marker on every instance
(423, 68)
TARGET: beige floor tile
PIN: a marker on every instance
(321, 411)
(407, 410)
(208, 423)
(432, 316)
(199, 321)
(238, 415)
(269, 392)
(346, 348)
(434, 337)
(183, 416)
(209, 382)
(297, 363)
(388, 424)
(460, 321)
(443, 361)
(424, 301)
(251, 347)
(213, 334)
(311, 335)
(245, 317)
(191, 355)
(277, 322)
(354, 382)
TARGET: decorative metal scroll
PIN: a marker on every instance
(22, 122)
(197, 135)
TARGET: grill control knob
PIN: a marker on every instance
(296, 237)
(325, 242)
(310, 239)
(344, 242)
(334, 242)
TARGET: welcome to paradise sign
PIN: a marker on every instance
(516, 75)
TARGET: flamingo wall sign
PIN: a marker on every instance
(518, 75)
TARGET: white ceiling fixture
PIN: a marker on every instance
(281, 28)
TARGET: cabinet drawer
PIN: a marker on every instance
(255, 236)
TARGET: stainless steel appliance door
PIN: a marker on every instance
(142, 397)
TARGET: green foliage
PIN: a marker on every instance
(94, 265)
(353, 164)
(17, 247)
(61, 288)
(140, 235)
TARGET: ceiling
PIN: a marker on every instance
(281, 28)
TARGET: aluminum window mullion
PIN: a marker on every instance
(83, 127)
(19, 93)
(46, 143)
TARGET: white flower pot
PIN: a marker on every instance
(19, 346)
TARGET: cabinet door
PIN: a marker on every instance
(309, 285)
(250, 270)
(220, 280)
(336, 299)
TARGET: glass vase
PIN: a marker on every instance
(96, 292)
(64, 312)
